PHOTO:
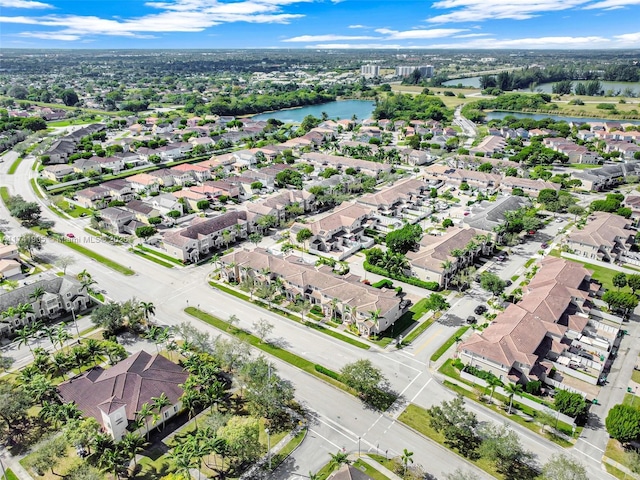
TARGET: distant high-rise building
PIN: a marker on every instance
(425, 70)
(370, 71)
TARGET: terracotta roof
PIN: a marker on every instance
(131, 383)
(602, 229)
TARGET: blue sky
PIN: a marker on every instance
(485, 24)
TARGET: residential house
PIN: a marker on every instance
(84, 165)
(62, 295)
(114, 396)
(489, 145)
(340, 233)
(553, 328)
(191, 198)
(164, 176)
(60, 150)
(276, 204)
(93, 197)
(143, 211)
(57, 172)
(206, 234)
(143, 182)
(607, 176)
(407, 199)
(167, 202)
(440, 257)
(372, 310)
(115, 218)
(527, 185)
(198, 173)
(119, 189)
(322, 161)
(9, 264)
(115, 164)
(488, 215)
(486, 182)
(605, 236)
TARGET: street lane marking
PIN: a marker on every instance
(594, 446)
(420, 391)
(424, 345)
(589, 456)
(339, 447)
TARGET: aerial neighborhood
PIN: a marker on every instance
(272, 269)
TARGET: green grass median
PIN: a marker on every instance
(446, 345)
(14, 166)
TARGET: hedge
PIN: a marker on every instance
(328, 372)
(384, 283)
(433, 286)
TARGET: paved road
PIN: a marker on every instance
(339, 418)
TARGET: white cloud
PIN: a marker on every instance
(473, 35)
(628, 39)
(477, 10)
(23, 4)
(327, 38)
(419, 34)
(51, 36)
(533, 43)
(174, 16)
(357, 26)
(611, 4)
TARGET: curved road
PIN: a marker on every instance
(339, 421)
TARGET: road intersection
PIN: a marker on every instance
(337, 420)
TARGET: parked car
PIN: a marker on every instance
(471, 319)
(71, 235)
(480, 309)
(544, 245)
(508, 283)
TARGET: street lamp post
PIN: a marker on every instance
(266, 430)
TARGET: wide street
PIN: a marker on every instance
(338, 420)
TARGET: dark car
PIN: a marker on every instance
(544, 245)
(508, 283)
(471, 319)
(480, 309)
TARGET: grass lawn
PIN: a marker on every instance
(635, 376)
(91, 254)
(73, 210)
(9, 475)
(445, 346)
(60, 468)
(279, 457)
(14, 166)
(602, 274)
(615, 472)
(274, 350)
(4, 194)
(615, 451)
(418, 419)
(159, 254)
(151, 258)
(369, 470)
(582, 166)
(154, 464)
(34, 187)
(631, 400)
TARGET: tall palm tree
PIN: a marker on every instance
(132, 444)
(183, 460)
(374, 315)
(159, 403)
(148, 308)
(334, 308)
(24, 336)
(111, 459)
(492, 383)
(36, 296)
(62, 335)
(406, 458)
(145, 412)
(512, 389)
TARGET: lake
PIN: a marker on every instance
(559, 118)
(335, 110)
(474, 82)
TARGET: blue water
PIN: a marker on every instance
(335, 111)
(558, 118)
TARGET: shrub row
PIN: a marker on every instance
(328, 372)
(433, 286)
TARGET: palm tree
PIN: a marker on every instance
(338, 459)
(132, 444)
(145, 412)
(406, 458)
(512, 389)
(190, 398)
(334, 308)
(111, 459)
(62, 335)
(492, 383)
(24, 335)
(159, 403)
(148, 308)
(183, 460)
(93, 349)
(36, 296)
(374, 315)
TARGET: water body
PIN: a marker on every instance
(335, 110)
(474, 82)
(558, 118)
